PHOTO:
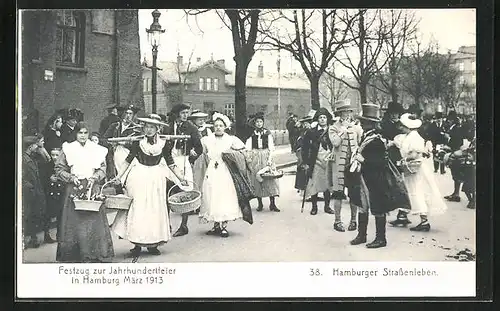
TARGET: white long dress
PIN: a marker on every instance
(220, 202)
(423, 190)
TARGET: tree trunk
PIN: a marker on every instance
(394, 89)
(314, 93)
(363, 92)
(240, 98)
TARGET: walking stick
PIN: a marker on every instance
(305, 190)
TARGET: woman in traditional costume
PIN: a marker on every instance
(146, 223)
(220, 198)
(261, 145)
(423, 190)
(316, 150)
(84, 236)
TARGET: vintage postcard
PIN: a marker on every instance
(293, 152)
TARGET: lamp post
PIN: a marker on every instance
(154, 33)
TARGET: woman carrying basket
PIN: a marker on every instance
(423, 190)
(84, 236)
(146, 223)
(261, 145)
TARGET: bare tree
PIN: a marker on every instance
(401, 30)
(313, 37)
(243, 25)
(183, 73)
(331, 89)
(363, 56)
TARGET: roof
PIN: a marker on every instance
(169, 74)
(271, 80)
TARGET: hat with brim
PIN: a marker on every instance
(198, 114)
(410, 121)
(133, 108)
(370, 112)
(343, 105)
(151, 121)
(306, 119)
(323, 112)
(394, 107)
(111, 106)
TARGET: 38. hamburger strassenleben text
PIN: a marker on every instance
(366, 273)
(116, 275)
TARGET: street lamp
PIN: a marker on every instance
(154, 33)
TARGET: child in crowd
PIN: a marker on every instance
(55, 191)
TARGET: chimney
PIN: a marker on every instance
(261, 70)
(198, 59)
(179, 60)
(221, 62)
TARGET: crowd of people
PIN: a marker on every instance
(377, 164)
(382, 164)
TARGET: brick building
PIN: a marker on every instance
(465, 61)
(82, 59)
(209, 85)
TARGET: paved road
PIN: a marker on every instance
(292, 236)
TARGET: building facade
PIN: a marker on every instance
(465, 61)
(83, 59)
(210, 86)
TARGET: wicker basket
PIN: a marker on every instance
(411, 166)
(87, 205)
(272, 175)
(184, 202)
(121, 202)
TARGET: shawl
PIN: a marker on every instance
(235, 161)
(83, 160)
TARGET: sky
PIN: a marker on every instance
(207, 37)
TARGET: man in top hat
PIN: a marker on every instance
(437, 131)
(293, 130)
(301, 176)
(185, 151)
(111, 118)
(382, 187)
(68, 133)
(123, 127)
(345, 136)
(455, 139)
(199, 119)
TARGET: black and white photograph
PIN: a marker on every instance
(149, 139)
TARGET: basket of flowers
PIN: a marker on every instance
(185, 201)
(272, 174)
(84, 201)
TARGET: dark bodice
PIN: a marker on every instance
(147, 159)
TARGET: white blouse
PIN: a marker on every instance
(83, 160)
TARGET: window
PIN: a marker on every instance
(473, 65)
(202, 84)
(461, 66)
(209, 84)
(229, 109)
(208, 107)
(215, 86)
(145, 86)
(69, 38)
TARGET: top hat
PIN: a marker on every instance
(415, 109)
(394, 107)
(198, 114)
(343, 105)
(370, 112)
(179, 107)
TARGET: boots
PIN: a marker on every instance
(272, 205)
(362, 226)
(260, 206)
(183, 228)
(327, 209)
(314, 203)
(380, 240)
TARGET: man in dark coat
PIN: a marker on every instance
(33, 195)
(455, 138)
(293, 130)
(111, 118)
(68, 133)
(191, 148)
(437, 131)
(390, 128)
(382, 186)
